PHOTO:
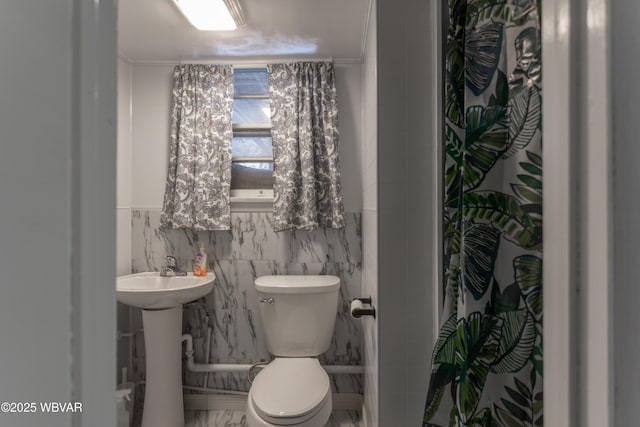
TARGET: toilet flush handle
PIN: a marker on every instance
(267, 300)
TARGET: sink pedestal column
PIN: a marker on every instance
(163, 405)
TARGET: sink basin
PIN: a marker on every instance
(152, 291)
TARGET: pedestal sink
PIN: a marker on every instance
(161, 299)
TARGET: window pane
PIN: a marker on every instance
(251, 146)
(251, 106)
(250, 82)
(251, 111)
(251, 176)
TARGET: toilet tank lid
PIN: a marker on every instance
(309, 284)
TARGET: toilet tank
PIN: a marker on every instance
(298, 313)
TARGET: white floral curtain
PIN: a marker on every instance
(304, 120)
(199, 175)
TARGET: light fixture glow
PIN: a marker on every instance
(212, 15)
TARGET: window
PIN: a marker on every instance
(252, 153)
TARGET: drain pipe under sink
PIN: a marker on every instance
(240, 367)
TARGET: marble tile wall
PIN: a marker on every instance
(250, 250)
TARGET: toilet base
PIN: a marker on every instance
(318, 420)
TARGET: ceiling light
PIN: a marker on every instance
(212, 14)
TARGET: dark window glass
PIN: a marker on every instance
(252, 176)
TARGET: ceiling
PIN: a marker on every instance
(155, 30)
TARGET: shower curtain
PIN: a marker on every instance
(487, 361)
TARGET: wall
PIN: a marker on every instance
(57, 115)
(349, 89)
(423, 207)
(626, 205)
(35, 166)
(151, 112)
(123, 173)
(589, 304)
(408, 129)
(251, 248)
(561, 92)
(123, 205)
(151, 97)
(370, 218)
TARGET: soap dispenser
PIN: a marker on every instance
(200, 263)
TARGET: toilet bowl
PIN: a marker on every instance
(290, 392)
(298, 314)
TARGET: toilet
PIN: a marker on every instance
(298, 314)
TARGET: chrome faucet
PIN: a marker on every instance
(172, 268)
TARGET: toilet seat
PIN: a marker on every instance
(290, 391)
